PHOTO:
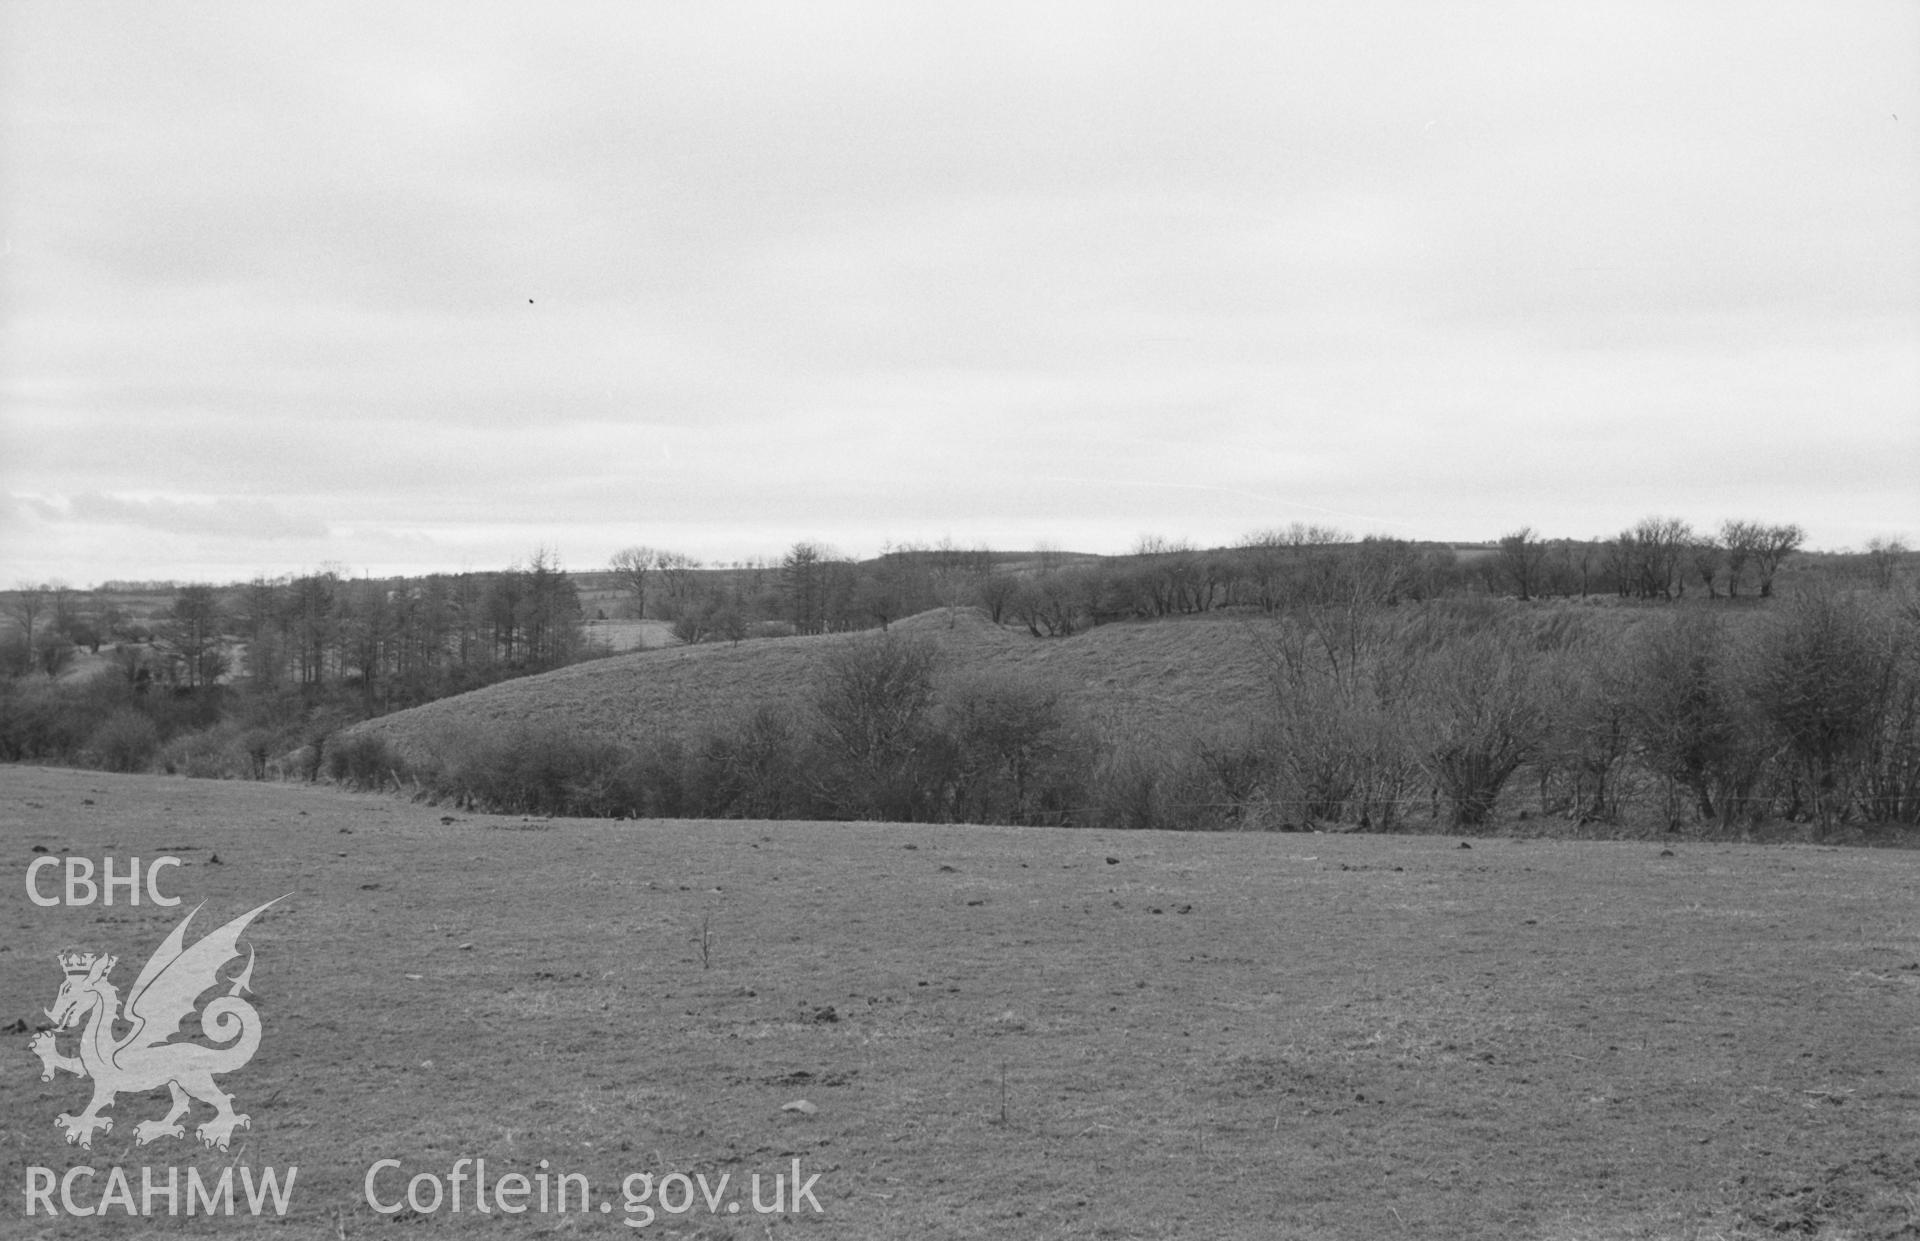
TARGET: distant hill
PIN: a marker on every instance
(1134, 680)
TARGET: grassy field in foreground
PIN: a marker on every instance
(1011, 1033)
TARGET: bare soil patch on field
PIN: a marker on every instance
(1014, 1033)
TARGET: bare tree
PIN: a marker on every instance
(194, 628)
(1263, 559)
(1616, 563)
(1520, 557)
(872, 700)
(1884, 555)
(1335, 736)
(552, 620)
(996, 591)
(365, 633)
(1740, 538)
(1687, 715)
(803, 581)
(1704, 557)
(1573, 563)
(26, 603)
(676, 571)
(1282, 562)
(1776, 544)
(956, 574)
(630, 567)
(1055, 603)
(310, 608)
(52, 652)
(263, 613)
(1763, 546)
(63, 608)
(1652, 551)
(1822, 674)
(1017, 758)
(881, 594)
(1484, 717)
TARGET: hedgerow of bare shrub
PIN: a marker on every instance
(1012, 752)
(1377, 715)
(1483, 716)
(1690, 719)
(1889, 781)
(1823, 674)
(1581, 761)
(1336, 736)
(1204, 783)
(41, 721)
(126, 741)
(871, 705)
(754, 768)
(523, 769)
(362, 760)
(1131, 790)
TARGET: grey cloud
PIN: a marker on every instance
(461, 272)
(222, 518)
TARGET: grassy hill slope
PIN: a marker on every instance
(1129, 680)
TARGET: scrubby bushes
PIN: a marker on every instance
(526, 770)
(1809, 712)
(48, 721)
(94, 721)
(875, 739)
(1209, 783)
(757, 768)
(1012, 752)
(125, 741)
(1585, 740)
(362, 761)
(1379, 715)
(1824, 671)
(881, 736)
(1888, 776)
(1484, 698)
(1337, 738)
(1686, 711)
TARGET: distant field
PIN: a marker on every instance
(1014, 1034)
(620, 634)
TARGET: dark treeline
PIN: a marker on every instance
(887, 732)
(1368, 653)
(222, 679)
(1451, 713)
(404, 641)
(813, 590)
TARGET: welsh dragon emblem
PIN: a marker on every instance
(145, 1057)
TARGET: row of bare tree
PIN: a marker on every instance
(1809, 712)
(1454, 713)
(811, 589)
(395, 641)
(1656, 558)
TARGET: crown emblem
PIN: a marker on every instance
(74, 961)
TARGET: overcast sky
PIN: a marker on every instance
(416, 287)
